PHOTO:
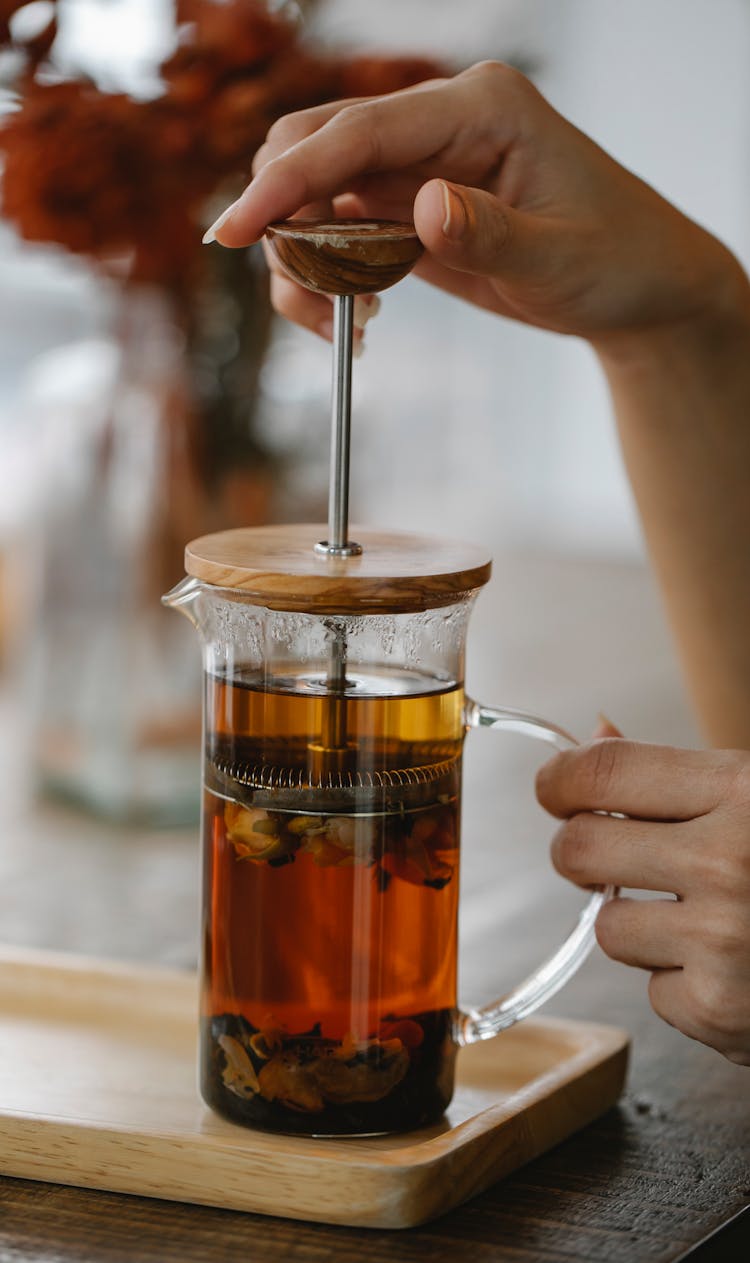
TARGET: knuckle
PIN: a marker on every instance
(363, 119)
(724, 937)
(600, 762)
(713, 1008)
(739, 865)
(357, 115)
(705, 871)
(729, 874)
(734, 867)
(739, 774)
(499, 76)
(720, 862)
(726, 780)
(286, 131)
(492, 228)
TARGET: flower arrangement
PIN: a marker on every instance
(126, 181)
(129, 184)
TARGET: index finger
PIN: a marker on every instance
(381, 134)
(647, 781)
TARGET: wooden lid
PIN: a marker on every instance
(277, 566)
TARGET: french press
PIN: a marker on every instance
(334, 721)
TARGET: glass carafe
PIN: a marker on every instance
(333, 734)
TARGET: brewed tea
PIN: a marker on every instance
(331, 891)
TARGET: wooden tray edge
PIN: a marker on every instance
(415, 1184)
(406, 1195)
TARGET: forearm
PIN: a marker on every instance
(682, 400)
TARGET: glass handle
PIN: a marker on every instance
(547, 980)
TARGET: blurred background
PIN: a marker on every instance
(147, 395)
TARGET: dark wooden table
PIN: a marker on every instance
(641, 1185)
(648, 1179)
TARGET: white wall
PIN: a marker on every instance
(665, 87)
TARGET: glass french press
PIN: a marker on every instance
(334, 721)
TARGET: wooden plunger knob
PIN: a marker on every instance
(345, 256)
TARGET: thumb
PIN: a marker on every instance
(472, 231)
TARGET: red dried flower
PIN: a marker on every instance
(108, 176)
(374, 76)
(103, 176)
(240, 115)
(227, 39)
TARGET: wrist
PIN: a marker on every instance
(712, 328)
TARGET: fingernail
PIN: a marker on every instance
(365, 307)
(454, 222)
(210, 233)
(358, 347)
(325, 329)
(605, 727)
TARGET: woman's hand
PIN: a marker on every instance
(519, 212)
(688, 834)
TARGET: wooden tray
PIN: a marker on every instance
(98, 1089)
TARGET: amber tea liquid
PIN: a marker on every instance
(330, 901)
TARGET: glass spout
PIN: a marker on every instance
(183, 597)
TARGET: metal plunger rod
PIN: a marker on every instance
(338, 543)
(334, 735)
(341, 418)
(341, 258)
